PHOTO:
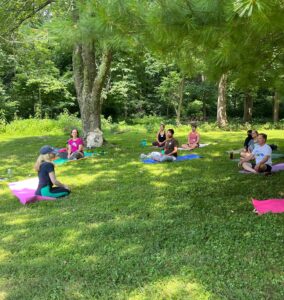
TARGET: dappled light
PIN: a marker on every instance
(130, 230)
(142, 150)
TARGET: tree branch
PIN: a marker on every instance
(31, 14)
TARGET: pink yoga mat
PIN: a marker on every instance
(271, 205)
(25, 191)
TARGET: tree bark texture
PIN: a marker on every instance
(222, 119)
(89, 81)
(276, 106)
(248, 104)
(204, 111)
(180, 100)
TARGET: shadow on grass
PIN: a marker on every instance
(172, 231)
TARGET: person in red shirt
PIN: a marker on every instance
(193, 139)
(75, 146)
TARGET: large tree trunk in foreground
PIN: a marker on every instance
(248, 103)
(276, 105)
(180, 100)
(222, 102)
(89, 81)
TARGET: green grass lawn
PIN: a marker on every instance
(134, 231)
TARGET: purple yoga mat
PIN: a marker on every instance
(25, 191)
(275, 206)
(275, 168)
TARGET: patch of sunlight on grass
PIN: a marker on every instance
(122, 219)
(4, 255)
(155, 171)
(3, 192)
(133, 249)
(95, 225)
(3, 295)
(11, 238)
(81, 178)
(92, 259)
(74, 290)
(159, 184)
(20, 220)
(174, 288)
(8, 238)
(71, 235)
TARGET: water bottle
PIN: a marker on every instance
(9, 173)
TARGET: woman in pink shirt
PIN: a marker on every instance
(193, 139)
(75, 146)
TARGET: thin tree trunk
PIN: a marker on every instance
(222, 102)
(248, 104)
(181, 93)
(276, 105)
(203, 99)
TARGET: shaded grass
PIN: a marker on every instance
(134, 231)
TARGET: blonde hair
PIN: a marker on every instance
(43, 158)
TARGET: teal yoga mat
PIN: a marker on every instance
(61, 161)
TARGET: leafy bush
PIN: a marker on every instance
(2, 125)
(33, 127)
(66, 122)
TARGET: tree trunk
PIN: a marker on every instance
(248, 103)
(203, 99)
(276, 105)
(180, 101)
(222, 102)
(89, 81)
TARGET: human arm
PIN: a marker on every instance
(157, 137)
(197, 138)
(69, 150)
(54, 181)
(263, 161)
(246, 159)
(81, 146)
(174, 151)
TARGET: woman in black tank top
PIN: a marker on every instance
(161, 137)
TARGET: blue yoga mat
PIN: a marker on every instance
(60, 161)
(179, 158)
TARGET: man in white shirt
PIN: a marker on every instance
(262, 155)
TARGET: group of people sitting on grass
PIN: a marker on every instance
(192, 138)
(256, 155)
(169, 145)
(45, 167)
(255, 149)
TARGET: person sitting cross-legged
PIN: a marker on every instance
(262, 156)
(75, 147)
(48, 185)
(161, 137)
(250, 145)
(193, 139)
(170, 151)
